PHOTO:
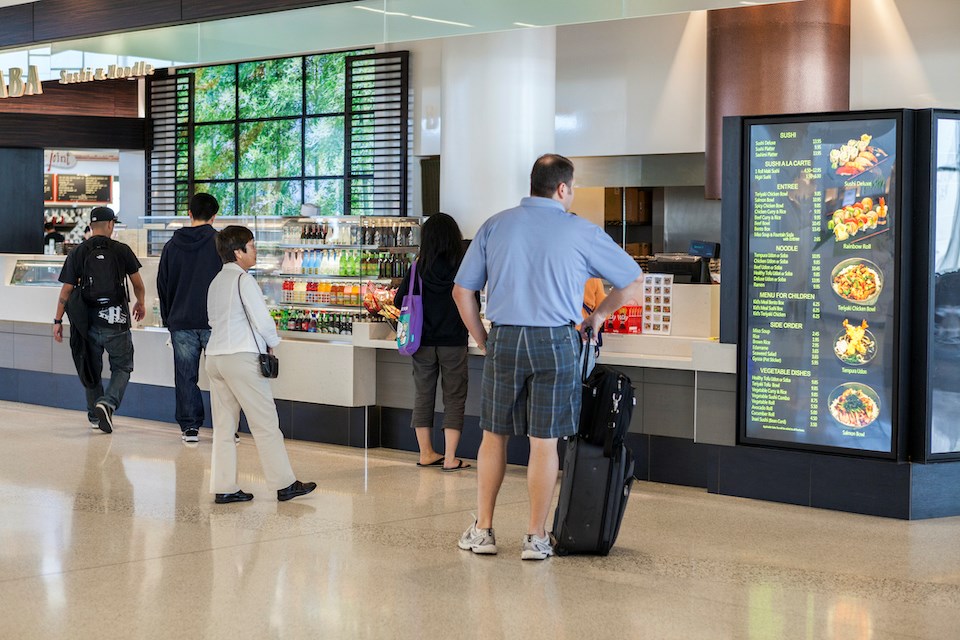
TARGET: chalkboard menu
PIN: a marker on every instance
(48, 180)
(819, 329)
(89, 189)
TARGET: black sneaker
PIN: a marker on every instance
(239, 496)
(191, 435)
(296, 489)
(104, 417)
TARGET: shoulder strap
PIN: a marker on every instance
(247, 316)
(414, 277)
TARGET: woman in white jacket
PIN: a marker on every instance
(240, 329)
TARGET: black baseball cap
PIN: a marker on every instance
(103, 214)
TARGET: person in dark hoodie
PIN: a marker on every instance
(443, 346)
(188, 265)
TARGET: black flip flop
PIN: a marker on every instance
(460, 465)
(435, 463)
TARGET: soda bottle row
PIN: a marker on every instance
(329, 263)
(309, 321)
(344, 294)
(396, 234)
(348, 262)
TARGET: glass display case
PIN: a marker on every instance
(36, 273)
(325, 272)
(268, 230)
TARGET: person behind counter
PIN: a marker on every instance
(188, 265)
(240, 329)
(443, 346)
(531, 383)
(50, 233)
(93, 278)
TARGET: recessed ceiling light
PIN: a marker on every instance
(456, 24)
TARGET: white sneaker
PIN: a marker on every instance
(190, 435)
(104, 414)
(534, 548)
(480, 541)
(95, 426)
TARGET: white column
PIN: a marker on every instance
(497, 118)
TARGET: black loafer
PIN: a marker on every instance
(296, 489)
(239, 496)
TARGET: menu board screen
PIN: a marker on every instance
(84, 188)
(48, 187)
(820, 334)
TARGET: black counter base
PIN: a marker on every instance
(348, 426)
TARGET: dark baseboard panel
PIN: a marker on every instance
(347, 426)
(856, 485)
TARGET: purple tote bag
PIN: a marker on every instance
(410, 324)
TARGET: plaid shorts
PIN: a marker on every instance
(531, 386)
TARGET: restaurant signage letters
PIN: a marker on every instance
(111, 72)
(17, 86)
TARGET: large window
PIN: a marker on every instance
(268, 135)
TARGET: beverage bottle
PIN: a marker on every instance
(291, 320)
(303, 234)
(305, 321)
(313, 323)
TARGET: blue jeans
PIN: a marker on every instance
(187, 346)
(119, 347)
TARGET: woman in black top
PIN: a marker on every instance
(443, 345)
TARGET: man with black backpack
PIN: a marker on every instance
(94, 278)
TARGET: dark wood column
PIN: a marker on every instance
(21, 200)
(792, 57)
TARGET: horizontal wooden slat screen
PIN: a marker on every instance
(377, 129)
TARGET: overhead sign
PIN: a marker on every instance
(111, 72)
(17, 86)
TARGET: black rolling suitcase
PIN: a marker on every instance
(597, 467)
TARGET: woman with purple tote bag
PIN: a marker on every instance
(431, 332)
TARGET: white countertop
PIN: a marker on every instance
(657, 352)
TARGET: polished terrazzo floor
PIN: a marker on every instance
(115, 536)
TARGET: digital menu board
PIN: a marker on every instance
(819, 330)
(82, 188)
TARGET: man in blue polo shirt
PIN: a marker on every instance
(534, 260)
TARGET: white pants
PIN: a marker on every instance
(235, 384)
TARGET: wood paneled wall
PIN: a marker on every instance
(110, 98)
(792, 57)
(16, 24)
(52, 20)
(41, 131)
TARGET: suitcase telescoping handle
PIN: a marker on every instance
(585, 355)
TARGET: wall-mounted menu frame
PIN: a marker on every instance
(84, 189)
(48, 187)
(819, 345)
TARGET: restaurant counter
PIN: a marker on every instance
(357, 390)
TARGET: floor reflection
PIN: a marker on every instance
(116, 537)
